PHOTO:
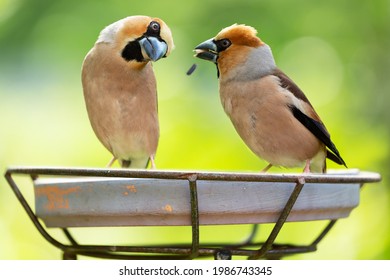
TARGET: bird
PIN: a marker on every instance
(269, 111)
(120, 90)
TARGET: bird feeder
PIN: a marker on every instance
(99, 197)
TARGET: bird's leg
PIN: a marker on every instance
(264, 170)
(307, 167)
(111, 162)
(152, 163)
(306, 170)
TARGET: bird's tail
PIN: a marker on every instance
(336, 158)
(135, 163)
(125, 163)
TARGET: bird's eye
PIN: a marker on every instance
(155, 26)
(223, 44)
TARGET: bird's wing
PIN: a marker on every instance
(312, 123)
(319, 130)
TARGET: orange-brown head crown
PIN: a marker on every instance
(240, 34)
(238, 53)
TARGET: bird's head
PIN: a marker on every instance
(236, 49)
(138, 38)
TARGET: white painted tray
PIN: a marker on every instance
(107, 201)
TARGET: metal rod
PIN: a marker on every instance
(251, 236)
(106, 255)
(324, 232)
(364, 177)
(279, 223)
(69, 236)
(175, 253)
(31, 214)
(194, 216)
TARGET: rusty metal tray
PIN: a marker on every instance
(85, 202)
(94, 197)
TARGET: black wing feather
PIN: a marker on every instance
(318, 129)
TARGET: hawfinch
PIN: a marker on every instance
(120, 87)
(268, 110)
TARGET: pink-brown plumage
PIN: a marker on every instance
(120, 88)
(269, 111)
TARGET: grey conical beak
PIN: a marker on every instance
(153, 48)
(207, 50)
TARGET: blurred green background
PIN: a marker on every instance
(337, 51)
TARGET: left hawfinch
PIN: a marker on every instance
(269, 111)
(120, 87)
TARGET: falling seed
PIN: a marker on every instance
(192, 69)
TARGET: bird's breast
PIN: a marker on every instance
(259, 112)
(122, 107)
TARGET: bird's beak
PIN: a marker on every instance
(207, 50)
(153, 48)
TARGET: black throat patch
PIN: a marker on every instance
(132, 51)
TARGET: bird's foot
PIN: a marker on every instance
(306, 170)
(307, 167)
(152, 163)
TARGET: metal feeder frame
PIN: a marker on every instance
(263, 250)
